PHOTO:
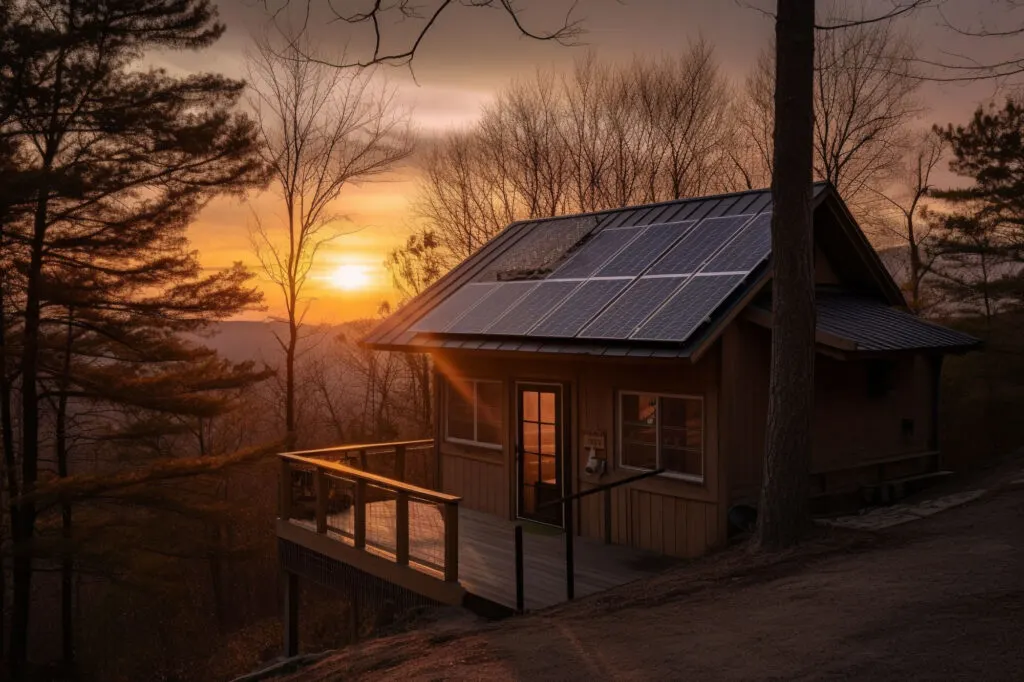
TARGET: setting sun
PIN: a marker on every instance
(350, 277)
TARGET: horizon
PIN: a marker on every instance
(448, 92)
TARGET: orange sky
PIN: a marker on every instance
(462, 63)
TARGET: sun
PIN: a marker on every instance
(350, 277)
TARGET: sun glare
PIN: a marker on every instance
(350, 277)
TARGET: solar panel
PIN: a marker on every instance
(575, 311)
(751, 246)
(593, 254)
(530, 308)
(646, 249)
(481, 317)
(453, 307)
(698, 245)
(688, 309)
(622, 317)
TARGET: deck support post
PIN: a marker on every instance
(402, 528)
(284, 503)
(399, 462)
(520, 596)
(607, 516)
(359, 516)
(321, 501)
(451, 542)
(570, 563)
(290, 589)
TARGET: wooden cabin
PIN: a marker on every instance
(576, 351)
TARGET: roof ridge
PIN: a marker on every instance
(655, 204)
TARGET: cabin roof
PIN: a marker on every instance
(659, 280)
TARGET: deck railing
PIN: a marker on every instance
(405, 523)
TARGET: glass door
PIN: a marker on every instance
(539, 446)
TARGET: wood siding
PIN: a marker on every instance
(665, 514)
(851, 428)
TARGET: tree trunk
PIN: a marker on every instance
(24, 530)
(289, 382)
(67, 568)
(784, 515)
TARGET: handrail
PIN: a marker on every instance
(601, 488)
(384, 481)
(362, 446)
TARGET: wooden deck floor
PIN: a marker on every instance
(487, 554)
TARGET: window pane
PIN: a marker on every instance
(548, 473)
(531, 437)
(682, 435)
(547, 439)
(639, 455)
(683, 461)
(460, 412)
(531, 469)
(488, 396)
(547, 408)
(639, 423)
(531, 410)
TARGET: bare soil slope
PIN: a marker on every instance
(942, 598)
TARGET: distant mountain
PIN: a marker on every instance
(243, 340)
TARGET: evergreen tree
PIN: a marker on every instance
(112, 163)
(981, 246)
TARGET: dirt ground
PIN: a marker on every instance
(941, 598)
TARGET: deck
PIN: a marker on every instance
(487, 554)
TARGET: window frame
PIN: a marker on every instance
(678, 475)
(476, 415)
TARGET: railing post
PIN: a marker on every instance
(362, 460)
(451, 542)
(359, 516)
(400, 463)
(402, 528)
(607, 516)
(321, 500)
(520, 596)
(285, 493)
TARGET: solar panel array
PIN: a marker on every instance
(658, 282)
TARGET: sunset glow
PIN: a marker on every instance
(350, 277)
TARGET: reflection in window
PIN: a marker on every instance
(662, 432)
(474, 412)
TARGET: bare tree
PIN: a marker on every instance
(864, 98)
(321, 130)
(598, 137)
(908, 218)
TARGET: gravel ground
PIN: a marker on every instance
(941, 598)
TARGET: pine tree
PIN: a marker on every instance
(981, 245)
(112, 163)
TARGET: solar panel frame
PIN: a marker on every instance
(689, 308)
(498, 302)
(592, 255)
(699, 245)
(579, 308)
(525, 313)
(454, 307)
(631, 309)
(646, 249)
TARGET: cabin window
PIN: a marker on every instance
(662, 432)
(474, 412)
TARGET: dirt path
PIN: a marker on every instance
(941, 598)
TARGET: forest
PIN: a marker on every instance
(139, 415)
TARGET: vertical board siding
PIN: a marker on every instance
(652, 514)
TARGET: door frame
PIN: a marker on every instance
(566, 453)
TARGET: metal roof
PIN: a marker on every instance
(873, 326)
(534, 249)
